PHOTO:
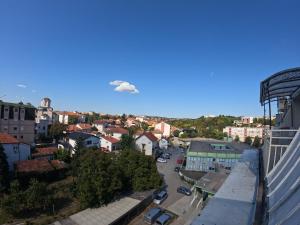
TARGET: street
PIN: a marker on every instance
(172, 181)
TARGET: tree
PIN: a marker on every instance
(4, 170)
(14, 202)
(56, 131)
(94, 128)
(248, 140)
(63, 155)
(256, 142)
(237, 138)
(37, 196)
(127, 141)
(72, 119)
(176, 133)
(184, 135)
(144, 126)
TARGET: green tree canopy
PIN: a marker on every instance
(248, 140)
(256, 142)
(56, 131)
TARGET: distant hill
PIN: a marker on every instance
(209, 127)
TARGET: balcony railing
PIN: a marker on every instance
(276, 142)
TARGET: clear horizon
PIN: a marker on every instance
(161, 58)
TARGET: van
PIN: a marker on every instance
(163, 219)
(152, 215)
(160, 197)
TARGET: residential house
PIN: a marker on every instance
(116, 132)
(81, 127)
(18, 120)
(164, 128)
(64, 117)
(147, 143)
(44, 153)
(110, 143)
(88, 140)
(14, 149)
(100, 125)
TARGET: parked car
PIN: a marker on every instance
(176, 169)
(163, 219)
(184, 190)
(151, 216)
(160, 197)
(161, 160)
(166, 156)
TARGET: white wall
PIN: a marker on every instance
(164, 128)
(106, 144)
(90, 142)
(148, 145)
(16, 152)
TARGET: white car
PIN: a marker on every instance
(161, 160)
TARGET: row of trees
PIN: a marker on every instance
(35, 198)
(100, 178)
(248, 140)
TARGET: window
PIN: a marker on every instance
(15, 136)
(89, 142)
(15, 128)
(16, 110)
(21, 136)
(16, 149)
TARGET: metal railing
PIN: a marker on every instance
(276, 141)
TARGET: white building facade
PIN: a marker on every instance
(164, 128)
(243, 132)
(15, 151)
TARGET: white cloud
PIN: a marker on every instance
(21, 85)
(124, 86)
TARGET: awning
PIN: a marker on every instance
(282, 84)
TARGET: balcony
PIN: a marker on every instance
(276, 142)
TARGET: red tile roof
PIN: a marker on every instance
(34, 165)
(150, 136)
(118, 130)
(111, 139)
(44, 151)
(7, 139)
(72, 127)
(100, 122)
(39, 166)
(84, 126)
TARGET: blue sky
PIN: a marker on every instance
(186, 58)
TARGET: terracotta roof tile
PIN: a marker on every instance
(7, 139)
(39, 166)
(150, 136)
(111, 139)
(117, 130)
(44, 151)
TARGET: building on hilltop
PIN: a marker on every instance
(18, 120)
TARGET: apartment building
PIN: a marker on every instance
(281, 150)
(18, 120)
(243, 132)
(44, 117)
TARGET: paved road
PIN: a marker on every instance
(172, 181)
(171, 177)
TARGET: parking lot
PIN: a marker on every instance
(172, 181)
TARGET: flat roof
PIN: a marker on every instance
(211, 182)
(105, 215)
(236, 197)
(207, 146)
